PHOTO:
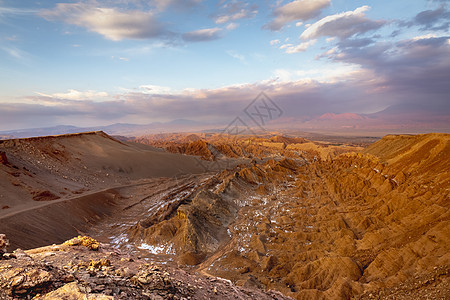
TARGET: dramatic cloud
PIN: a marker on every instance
(415, 71)
(408, 76)
(387, 78)
(109, 22)
(202, 35)
(359, 72)
(342, 25)
(235, 10)
(296, 10)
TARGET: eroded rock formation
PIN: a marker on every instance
(357, 224)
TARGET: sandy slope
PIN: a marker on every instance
(49, 168)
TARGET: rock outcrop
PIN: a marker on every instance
(73, 271)
(4, 243)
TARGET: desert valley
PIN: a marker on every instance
(224, 149)
(213, 216)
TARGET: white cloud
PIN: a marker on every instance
(232, 26)
(324, 75)
(202, 35)
(426, 36)
(144, 49)
(302, 47)
(156, 90)
(109, 22)
(296, 10)
(298, 24)
(282, 75)
(274, 42)
(76, 95)
(342, 25)
(286, 46)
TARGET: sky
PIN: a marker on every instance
(93, 62)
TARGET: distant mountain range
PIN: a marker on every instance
(394, 119)
(113, 129)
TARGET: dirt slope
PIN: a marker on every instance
(50, 168)
(52, 188)
(418, 154)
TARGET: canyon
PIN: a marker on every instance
(270, 216)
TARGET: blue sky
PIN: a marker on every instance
(102, 62)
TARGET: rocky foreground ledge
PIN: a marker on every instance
(82, 268)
